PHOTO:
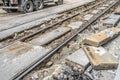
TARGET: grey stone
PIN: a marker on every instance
(88, 17)
(78, 59)
(75, 25)
(50, 63)
(48, 37)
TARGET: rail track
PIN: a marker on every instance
(22, 35)
(88, 23)
(69, 36)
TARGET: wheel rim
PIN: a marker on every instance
(29, 6)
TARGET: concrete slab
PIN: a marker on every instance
(100, 58)
(30, 17)
(18, 56)
(96, 39)
(78, 59)
(102, 37)
(48, 37)
(95, 11)
(109, 21)
(88, 17)
(75, 25)
(113, 19)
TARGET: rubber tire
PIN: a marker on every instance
(60, 2)
(30, 3)
(40, 5)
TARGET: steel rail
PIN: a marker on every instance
(40, 17)
(41, 30)
(41, 59)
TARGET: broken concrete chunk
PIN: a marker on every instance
(100, 58)
(48, 37)
(88, 17)
(102, 37)
(78, 59)
(75, 25)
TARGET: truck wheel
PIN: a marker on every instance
(59, 2)
(28, 7)
(39, 5)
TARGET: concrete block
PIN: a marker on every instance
(75, 25)
(95, 11)
(96, 39)
(100, 58)
(88, 17)
(48, 37)
(102, 37)
(112, 20)
(78, 59)
(17, 57)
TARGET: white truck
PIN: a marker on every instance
(26, 5)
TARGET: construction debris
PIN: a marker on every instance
(102, 37)
(100, 58)
(78, 59)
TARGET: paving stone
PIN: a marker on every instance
(78, 59)
(100, 58)
(95, 11)
(48, 37)
(75, 25)
(102, 37)
(88, 17)
(18, 56)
